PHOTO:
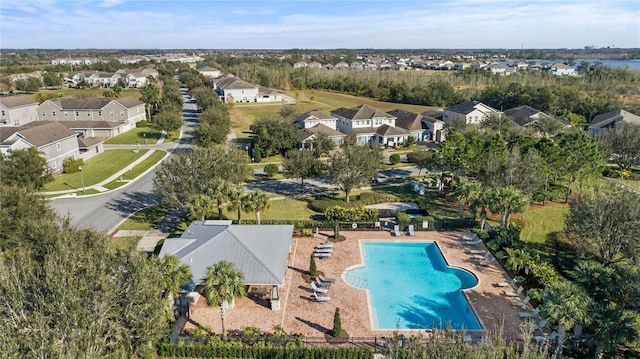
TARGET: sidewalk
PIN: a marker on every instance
(100, 186)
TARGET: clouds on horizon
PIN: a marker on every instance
(318, 24)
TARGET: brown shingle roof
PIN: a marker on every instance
(90, 142)
(17, 101)
(362, 112)
(408, 120)
(93, 103)
(386, 130)
(606, 119)
(39, 133)
(90, 124)
(317, 114)
(234, 83)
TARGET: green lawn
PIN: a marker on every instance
(73, 92)
(138, 136)
(123, 242)
(541, 233)
(137, 170)
(284, 209)
(95, 170)
(145, 219)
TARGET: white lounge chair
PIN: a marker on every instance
(318, 289)
(411, 230)
(510, 283)
(516, 293)
(323, 250)
(487, 262)
(322, 284)
(321, 298)
(321, 254)
(477, 251)
(473, 243)
(531, 314)
(327, 280)
(470, 237)
(324, 246)
(521, 303)
(480, 257)
(396, 230)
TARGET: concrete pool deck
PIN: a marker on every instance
(301, 314)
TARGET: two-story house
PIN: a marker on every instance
(209, 72)
(369, 125)
(473, 112)
(233, 89)
(312, 118)
(126, 110)
(17, 110)
(55, 141)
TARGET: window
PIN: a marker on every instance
(100, 113)
(44, 114)
(121, 113)
(53, 113)
(111, 113)
(77, 113)
(59, 146)
(3, 114)
(66, 114)
(88, 113)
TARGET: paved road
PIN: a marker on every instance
(106, 211)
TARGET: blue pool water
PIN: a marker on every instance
(411, 287)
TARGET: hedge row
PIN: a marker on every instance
(353, 214)
(321, 204)
(262, 350)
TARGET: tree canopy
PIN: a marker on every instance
(354, 167)
(25, 168)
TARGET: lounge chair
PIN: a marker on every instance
(516, 293)
(318, 289)
(531, 314)
(510, 283)
(396, 230)
(411, 230)
(546, 338)
(323, 250)
(473, 243)
(479, 257)
(321, 254)
(326, 280)
(541, 324)
(321, 298)
(521, 303)
(470, 237)
(487, 262)
(322, 284)
(477, 251)
(324, 246)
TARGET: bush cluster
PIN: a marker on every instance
(354, 214)
(71, 165)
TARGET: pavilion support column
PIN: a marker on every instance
(275, 298)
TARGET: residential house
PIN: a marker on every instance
(233, 89)
(300, 64)
(435, 128)
(473, 112)
(342, 66)
(124, 110)
(266, 94)
(524, 115)
(17, 110)
(561, 69)
(308, 134)
(365, 123)
(611, 119)
(209, 72)
(260, 252)
(496, 68)
(312, 118)
(55, 141)
(356, 66)
(461, 66)
(315, 65)
(95, 129)
(95, 78)
(137, 77)
(411, 122)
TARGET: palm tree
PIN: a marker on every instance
(237, 201)
(223, 283)
(482, 202)
(465, 191)
(507, 201)
(611, 327)
(567, 304)
(219, 191)
(199, 206)
(174, 275)
(257, 202)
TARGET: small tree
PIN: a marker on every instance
(337, 324)
(313, 270)
(394, 159)
(257, 155)
(336, 230)
(271, 169)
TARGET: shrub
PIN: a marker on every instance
(307, 232)
(367, 198)
(72, 166)
(313, 269)
(403, 220)
(394, 159)
(271, 169)
(356, 214)
(418, 220)
(143, 123)
(257, 155)
(337, 324)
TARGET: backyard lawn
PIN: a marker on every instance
(95, 170)
(137, 170)
(139, 135)
(73, 92)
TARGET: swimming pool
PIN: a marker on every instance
(411, 287)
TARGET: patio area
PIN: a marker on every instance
(301, 314)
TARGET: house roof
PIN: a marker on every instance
(38, 133)
(234, 83)
(306, 133)
(90, 124)
(90, 142)
(362, 112)
(315, 114)
(467, 107)
(435, 114)
(408, 120)
(260, 252)
(386, 130)
(524, 115)
(17, 101)
(93, 103)
(610, 118)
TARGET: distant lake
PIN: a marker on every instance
(631, 64)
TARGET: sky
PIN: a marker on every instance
(327, 24)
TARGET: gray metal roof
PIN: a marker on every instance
(260, 252)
